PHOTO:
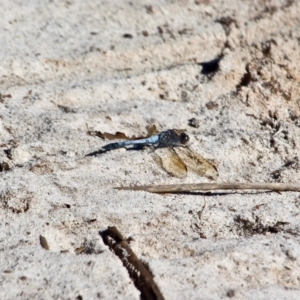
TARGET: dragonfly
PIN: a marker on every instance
(176, 157)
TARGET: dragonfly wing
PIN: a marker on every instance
(171, 162)
(152, 130)
(196, 163)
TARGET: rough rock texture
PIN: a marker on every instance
(70, 67)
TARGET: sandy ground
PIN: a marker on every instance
(69, 67)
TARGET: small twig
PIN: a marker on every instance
(200, 213)
(136, 269)
(176, 188)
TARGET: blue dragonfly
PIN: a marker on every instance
(176, 157)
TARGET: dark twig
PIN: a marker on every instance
(177, 188)
(142, 278)
(200, 213)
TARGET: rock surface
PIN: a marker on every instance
(226, 71)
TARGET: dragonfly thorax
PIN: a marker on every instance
(171, 138)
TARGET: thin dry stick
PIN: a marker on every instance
(175, 188)
(200, 213)
(142, 278)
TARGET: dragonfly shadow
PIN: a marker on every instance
(95, 153)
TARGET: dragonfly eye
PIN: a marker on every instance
(184, 138)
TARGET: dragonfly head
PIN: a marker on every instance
(184, 138)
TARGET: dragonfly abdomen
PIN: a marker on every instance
(142, 142)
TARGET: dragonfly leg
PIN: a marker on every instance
(152, 148)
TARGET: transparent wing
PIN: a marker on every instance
(196, 163)
(171, 162)
(152, 130)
